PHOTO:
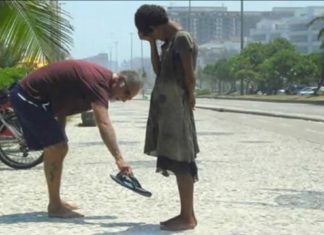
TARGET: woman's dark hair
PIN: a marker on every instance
(150, 15)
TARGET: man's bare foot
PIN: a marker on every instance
(71, 206)
(178, 223)
(63, 212)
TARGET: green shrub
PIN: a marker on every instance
(200, 92)
(10, 75)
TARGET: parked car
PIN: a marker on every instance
(293, 89)
(310, 90)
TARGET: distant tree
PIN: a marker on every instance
(250, 78)
(276, 46)
(277, 69)
(255, 54)
(305, 71)
(209, 71)
(223, 73)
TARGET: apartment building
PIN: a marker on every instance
(295, 29)
(217, 24)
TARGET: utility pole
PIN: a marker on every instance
(189, 17)
(242, 43)
(142, 59)
(110, 58)
(116, 55)
(143, 75)
(131, 50)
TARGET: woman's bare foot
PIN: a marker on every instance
(63, 212)
(178, 223)
(169, 220)
(71, 206)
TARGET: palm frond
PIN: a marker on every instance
(38, 28)
(321, 33)
(316, 19)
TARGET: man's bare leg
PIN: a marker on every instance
(186, 219)
(53, 164)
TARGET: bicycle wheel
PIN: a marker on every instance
(13, 149)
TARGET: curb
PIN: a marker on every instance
(260, 113)
(315, 102)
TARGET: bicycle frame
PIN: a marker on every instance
(6, 130)
(14, 151)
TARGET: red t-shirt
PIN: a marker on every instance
(70, 86)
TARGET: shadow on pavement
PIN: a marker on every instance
(7, 168)
(100, 143)
(39, 217)
(299, 199)
(290, 199)
(214, 133)
(139, 229)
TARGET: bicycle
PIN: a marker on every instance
(13, 149)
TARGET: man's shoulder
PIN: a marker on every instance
(82, 63)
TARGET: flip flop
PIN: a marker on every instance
(131, 183)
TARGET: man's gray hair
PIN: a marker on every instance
(132, 79)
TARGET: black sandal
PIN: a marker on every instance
(131, 183)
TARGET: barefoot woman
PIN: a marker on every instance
(171, 133)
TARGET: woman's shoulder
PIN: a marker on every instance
(183, 33)
(183, 39)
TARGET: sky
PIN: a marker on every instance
(108, 26)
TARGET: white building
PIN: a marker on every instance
(295, 29)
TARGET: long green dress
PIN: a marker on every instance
(171, 132)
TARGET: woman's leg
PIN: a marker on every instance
(186, 219)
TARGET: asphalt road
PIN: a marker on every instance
(298, 129)
(311, 110)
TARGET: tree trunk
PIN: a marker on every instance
(321, 82)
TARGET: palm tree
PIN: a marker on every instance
(321, 32)
(38, 30)
(9, 57)
(321, 55)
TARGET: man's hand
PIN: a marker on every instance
(124, 167)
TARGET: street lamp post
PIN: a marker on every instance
(242, 43)
(116, 54)
(189, 16)
(143, 71)
(142, 59)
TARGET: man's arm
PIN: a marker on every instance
(108, 136)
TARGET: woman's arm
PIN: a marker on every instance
(155, 58)
(190, 81)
